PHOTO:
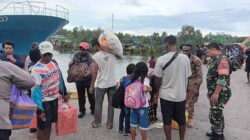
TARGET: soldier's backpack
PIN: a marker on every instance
(134, 95)
(235, 63)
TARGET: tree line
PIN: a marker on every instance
(188, 34)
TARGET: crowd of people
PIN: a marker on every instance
(175, 77)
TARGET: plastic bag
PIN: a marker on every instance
(22, 109)
(34, 122)
(67, 119)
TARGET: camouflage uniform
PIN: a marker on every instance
(194, 83)
(218, 74)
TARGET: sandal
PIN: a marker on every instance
(109, 125)
(94, 124)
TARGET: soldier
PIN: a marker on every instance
(219, 93)
(194, 81)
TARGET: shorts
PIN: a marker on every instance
(5, 134)
(173, 110)
(50, 109)
(139, 117)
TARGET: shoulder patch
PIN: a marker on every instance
(224, 67)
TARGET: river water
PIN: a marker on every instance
(63, 60)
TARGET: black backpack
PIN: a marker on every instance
(118, 97)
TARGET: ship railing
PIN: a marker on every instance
(34, 8)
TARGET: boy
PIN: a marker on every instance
(125, 111)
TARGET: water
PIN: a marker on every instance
(63, 60)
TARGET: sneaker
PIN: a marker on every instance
(126, 134)
(81, 115)
(33, 135)
(190, 123)
(159, 125)
(151, 126)
(120, 131)
(33, 130)
(209, 134)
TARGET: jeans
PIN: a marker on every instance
(125, 113)
(81, 88)
(100, 93)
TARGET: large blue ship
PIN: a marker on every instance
(27, 22)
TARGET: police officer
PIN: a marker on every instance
(219, 93)
(194, 81)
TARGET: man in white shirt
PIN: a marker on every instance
(104, 81)
(171, 82)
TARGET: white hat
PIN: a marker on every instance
(46, 47)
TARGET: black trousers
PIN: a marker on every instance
(81, 88)
(5, 134)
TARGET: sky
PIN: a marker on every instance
(143, 17)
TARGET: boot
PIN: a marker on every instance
(214, 136)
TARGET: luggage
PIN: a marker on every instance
(67, 119)
(22, 109)
(111, 43)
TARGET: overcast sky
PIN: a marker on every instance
(148, 16)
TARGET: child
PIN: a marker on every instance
(139, 117)
(125, 111)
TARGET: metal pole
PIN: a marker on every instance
(45, 9)
(23, 10)
(14, 9)
(112, 22)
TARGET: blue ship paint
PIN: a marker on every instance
(23, 28)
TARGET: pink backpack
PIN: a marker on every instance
(134, 96)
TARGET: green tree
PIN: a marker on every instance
(198, 39)
(163, 35)
(145, 40)
(155, 39)
(189, 35)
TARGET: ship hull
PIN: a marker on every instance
(25, 29)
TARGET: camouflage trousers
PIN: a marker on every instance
(216, 116)
(192, 98)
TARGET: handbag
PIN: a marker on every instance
(22, 109)
(151, 113)
(78, 72)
